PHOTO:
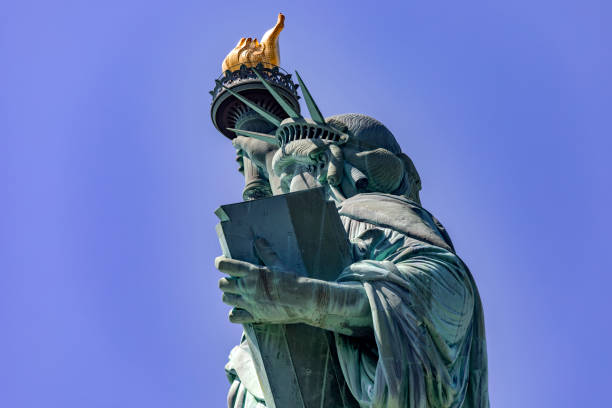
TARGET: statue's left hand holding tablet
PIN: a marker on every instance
(271, 294)
(266, 294)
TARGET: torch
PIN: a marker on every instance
(239, 82)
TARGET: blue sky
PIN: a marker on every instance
(111, 171)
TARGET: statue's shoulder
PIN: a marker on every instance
(370, 199)
(367, 205)
(397, 213)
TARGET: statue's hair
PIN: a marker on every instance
(392, 172)
(366, 129)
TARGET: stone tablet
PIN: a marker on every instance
(296, 364)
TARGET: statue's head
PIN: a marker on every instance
(350, 153)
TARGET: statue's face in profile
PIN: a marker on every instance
(302, 164)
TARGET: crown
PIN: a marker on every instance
(251, 52)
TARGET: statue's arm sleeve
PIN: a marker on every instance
(421, 303)
(245, 390)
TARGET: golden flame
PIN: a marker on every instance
(251, 52)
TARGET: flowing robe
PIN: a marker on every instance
(428, 347)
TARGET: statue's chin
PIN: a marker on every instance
(303, 181)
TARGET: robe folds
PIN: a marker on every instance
(428, 349)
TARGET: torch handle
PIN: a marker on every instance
(255, 184)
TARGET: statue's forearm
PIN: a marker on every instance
(341, 307)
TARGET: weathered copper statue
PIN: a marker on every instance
(404, 315)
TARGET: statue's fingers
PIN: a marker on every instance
(233, 300)
(237, 315)
(267, 254)
(234, 267)
(229, 285)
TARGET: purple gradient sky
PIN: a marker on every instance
(111, 171)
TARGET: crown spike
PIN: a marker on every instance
(281, 101)
(310, 103)
(265, 114)
(264, 137)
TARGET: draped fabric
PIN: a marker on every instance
(428, 348)
(245, 391)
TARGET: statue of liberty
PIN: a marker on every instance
(405, 315)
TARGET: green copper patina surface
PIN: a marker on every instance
(404, 314)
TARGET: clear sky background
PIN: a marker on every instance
(111, 169)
